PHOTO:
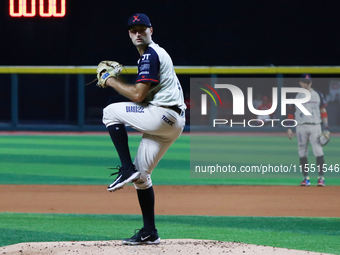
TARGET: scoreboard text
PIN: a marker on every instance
(46, 8)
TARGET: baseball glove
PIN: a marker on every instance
(324, 137)
(107, 69)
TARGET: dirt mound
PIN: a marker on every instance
(171, 246)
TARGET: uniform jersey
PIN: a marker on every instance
(156, 66)
(316, 102)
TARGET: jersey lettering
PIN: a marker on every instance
(148, 67)
(145, 57)
(144, 67)
(166, 120)
(134, 108)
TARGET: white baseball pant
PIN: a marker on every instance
(160, 127)
(309, 133)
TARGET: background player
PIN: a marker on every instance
(157, 109)
(308, 128)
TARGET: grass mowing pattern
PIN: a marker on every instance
(84, 160)
(313, 234)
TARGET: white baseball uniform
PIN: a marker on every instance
(161, 116)
(309, 126)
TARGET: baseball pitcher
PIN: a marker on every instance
(157, 110)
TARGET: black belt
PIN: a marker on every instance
(175, 108)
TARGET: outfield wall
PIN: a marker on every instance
(55, 98)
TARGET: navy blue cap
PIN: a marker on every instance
(139, 19)
(307, 78)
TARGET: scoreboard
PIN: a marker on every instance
(32, 8)
(64, 32)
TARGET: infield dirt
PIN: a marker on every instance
(170, 200)
(175, 200)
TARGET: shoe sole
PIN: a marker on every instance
(157, 241)
(132, 178)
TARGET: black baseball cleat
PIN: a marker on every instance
(143, 236)
(124, 177)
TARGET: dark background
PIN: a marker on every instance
(244, 32)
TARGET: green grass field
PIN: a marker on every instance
(85, 159)
(313, 234)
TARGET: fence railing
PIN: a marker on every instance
(178, 69)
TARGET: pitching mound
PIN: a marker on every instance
(171, 246)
